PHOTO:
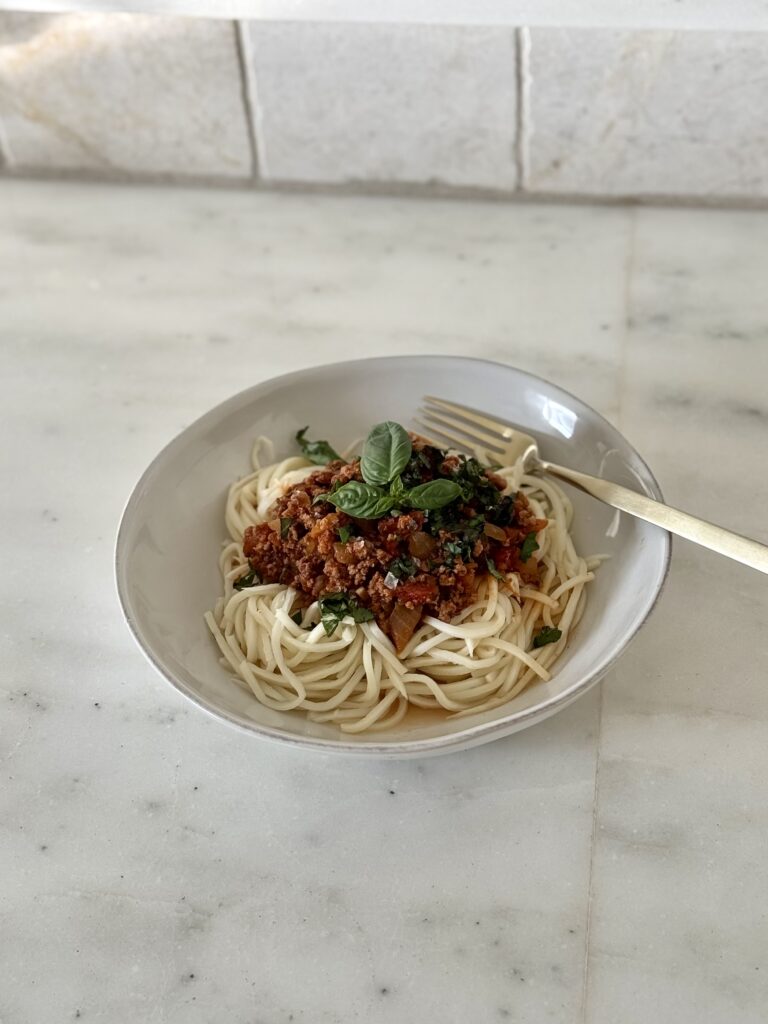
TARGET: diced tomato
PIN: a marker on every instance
(417, 592)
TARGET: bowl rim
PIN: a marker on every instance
(473, 734)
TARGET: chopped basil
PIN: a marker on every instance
(530, 544)
(503, 513)
(345, 532)
(423, 462)
(457, 548)
(472, 528)
(251, 579)
(547, 635)
(472, 477)
(319, 452)
(286, 522)
(386, 453)
(493, 570)
(334, 608)
(403, 567)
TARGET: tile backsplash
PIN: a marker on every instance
(649, 113)
(545, 111)
(141, 94)
(399, 103)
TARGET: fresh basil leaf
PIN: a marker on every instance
(361, 500)
(530, 544)
(493, 570)
(251, 579)
(386, 452)
(286, 522)
(433, 494)
(548, 635)
(344, 532)
(325, 495)
(403, 567)
(318, 452)
(396, 488)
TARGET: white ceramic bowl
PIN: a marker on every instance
(172, 528)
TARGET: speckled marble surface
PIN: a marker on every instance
(607, 865)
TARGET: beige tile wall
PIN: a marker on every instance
(649, 113)
(384, 103)
(140, 94)
(543, 111)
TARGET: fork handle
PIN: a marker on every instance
(725, 542)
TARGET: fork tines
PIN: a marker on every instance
(464, 427)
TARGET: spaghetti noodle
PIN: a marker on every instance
(277, 647)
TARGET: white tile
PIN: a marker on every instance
(648, 113)
(385, 103)
(678, 929)
(120, 92)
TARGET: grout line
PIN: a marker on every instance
(244, 48)
(629, 273)
(6, 161)
(591, 874)
(523, 106)
(386, 190)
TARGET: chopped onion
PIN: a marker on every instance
(495, 532)
(391, 581)
(402, 622)
(274, 525)
(421, 545)
(343, 554)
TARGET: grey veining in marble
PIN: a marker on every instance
(607, 865)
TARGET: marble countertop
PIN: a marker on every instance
(605, 866)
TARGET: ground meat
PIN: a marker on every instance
(507, 558)
(300, 544)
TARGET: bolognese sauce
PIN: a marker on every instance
(406, 562)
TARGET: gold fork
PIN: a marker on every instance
(466, 428)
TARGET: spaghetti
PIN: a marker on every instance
(278, 648)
